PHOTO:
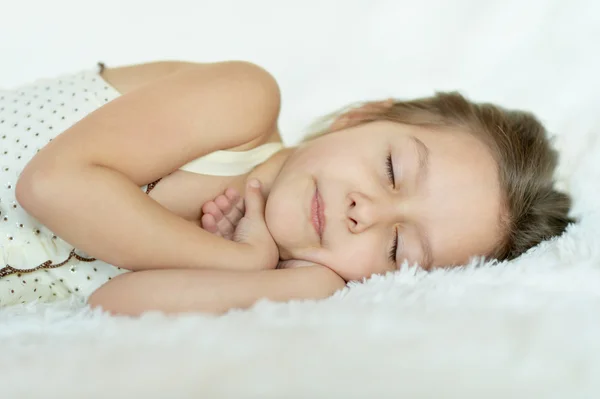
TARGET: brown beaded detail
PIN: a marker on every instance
(7, 270)
(151, 186)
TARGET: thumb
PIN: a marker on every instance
(254, 200)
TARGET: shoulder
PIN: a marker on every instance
(240, 88)
(244, 80)
(130, 77)
(249, 72)
(247, 93)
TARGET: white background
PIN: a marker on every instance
(527, 330)
(540, 55)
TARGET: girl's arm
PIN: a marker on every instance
(84, 185)
(213, 291)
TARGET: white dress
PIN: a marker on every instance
(35, 264)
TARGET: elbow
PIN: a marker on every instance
(33, 188)
(109, 298)
(42, 185)
(96, 301)
(39, 185)
(99, 301)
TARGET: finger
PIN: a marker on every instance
(255, 202)
(225, 225)
(210, 224)
(225, 228)
(230, 211)
(224, 204)
(236, 199)
(212, 209)
(233, 195)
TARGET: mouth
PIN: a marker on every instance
(317, 213)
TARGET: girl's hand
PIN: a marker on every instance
(228, 216)
(252, 230)
(222, 215)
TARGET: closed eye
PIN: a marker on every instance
(394, 247)
(390, 170)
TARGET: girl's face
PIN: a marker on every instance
(364, 199)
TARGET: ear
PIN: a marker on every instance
(357, 115)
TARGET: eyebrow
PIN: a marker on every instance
(423, 152)
(422, 174)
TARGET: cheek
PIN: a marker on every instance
(320, 158)
(278, 216)
(356, 259)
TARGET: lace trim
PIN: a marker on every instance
(8, 269)
(151, 186)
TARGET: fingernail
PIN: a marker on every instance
(254, 183)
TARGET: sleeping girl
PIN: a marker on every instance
(166, 186)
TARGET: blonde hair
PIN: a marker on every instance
(518, 142)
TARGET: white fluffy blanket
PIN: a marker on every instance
(525, 329)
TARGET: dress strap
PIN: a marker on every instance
(232, 163)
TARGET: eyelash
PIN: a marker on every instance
(394, 248)
(390, 170)
(390, 173)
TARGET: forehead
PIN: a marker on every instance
(461, 200)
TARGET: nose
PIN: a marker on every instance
(364, 212)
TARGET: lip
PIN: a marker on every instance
(317, 214)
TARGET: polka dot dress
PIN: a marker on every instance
(35, 264)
